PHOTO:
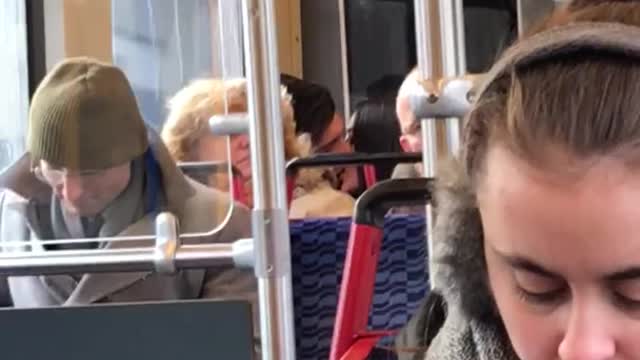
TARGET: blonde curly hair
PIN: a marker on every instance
(191, 108)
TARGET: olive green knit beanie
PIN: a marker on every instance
(84, 116)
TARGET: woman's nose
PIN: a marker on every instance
(586, 337)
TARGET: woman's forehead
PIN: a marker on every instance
(591, 219)
(555, 169)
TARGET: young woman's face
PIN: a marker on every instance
(563, 256)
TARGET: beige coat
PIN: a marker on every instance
(197, 209)
(406, 171)
(315, 198)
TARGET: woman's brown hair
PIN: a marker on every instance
(583, 103)
(618, 11)
(586, 104)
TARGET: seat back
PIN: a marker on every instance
(318, 249)
(367, 161)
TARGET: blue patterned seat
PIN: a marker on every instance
(318, 250)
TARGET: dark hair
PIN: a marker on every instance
(313, 106)
(385, 89)
(374, 129)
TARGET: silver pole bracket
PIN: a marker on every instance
(230, 124)
(441, 99)
(271, 260)
(167, 243)
(243, 253)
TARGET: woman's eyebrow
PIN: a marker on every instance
(631, 273)
(522, 263)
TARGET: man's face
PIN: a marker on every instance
(410, 140)
(334, 141)
(85, 193)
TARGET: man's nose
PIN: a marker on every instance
(342, 146)
(240, 141)
(73, 188)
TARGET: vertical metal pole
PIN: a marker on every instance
(344, 60)
(441, 49)
(270, 221)
(441, 53)
(429, 67)
(454, 59)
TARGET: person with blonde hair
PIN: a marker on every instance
(188, 139)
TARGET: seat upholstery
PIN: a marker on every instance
(318, 249)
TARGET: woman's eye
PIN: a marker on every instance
(538, 289)
(627, 294)
(541, 298)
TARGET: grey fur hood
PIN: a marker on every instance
(472, 328)
(459, 319)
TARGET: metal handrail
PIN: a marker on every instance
(190, 237)
(208, 166)
(167, 256)
(351, 159)
(107, 260)
(441, 55)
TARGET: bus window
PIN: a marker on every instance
(14, 92)
(96, 173)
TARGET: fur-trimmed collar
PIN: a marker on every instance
(473, 329)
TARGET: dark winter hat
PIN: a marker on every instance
(84, 116)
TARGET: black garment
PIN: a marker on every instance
(422, 328)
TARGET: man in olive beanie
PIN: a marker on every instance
(93, 170)
(84, 120)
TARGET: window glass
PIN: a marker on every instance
(376, 28)
(14, 92)
(114, 184)
(161, 45)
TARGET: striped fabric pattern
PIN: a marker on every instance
(318, 250)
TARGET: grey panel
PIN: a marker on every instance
(192, 330)
(321, 46)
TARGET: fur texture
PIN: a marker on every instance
(473, 328)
